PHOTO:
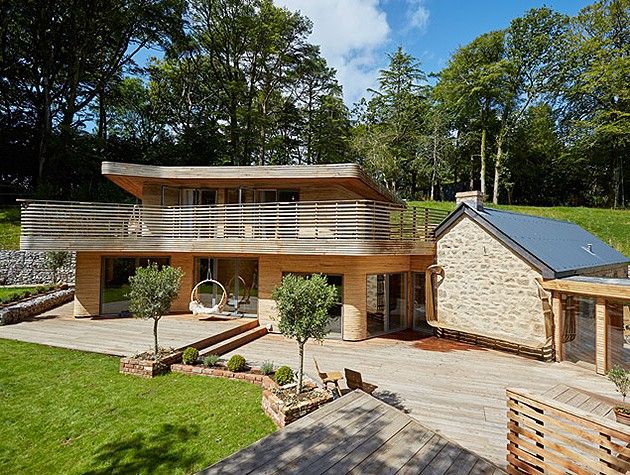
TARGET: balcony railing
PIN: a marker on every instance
(323, 227)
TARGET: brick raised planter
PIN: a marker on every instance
(278, 411)
(220, 372)
(282, 414)
(148, 368)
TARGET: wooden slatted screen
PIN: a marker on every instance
(547, 436)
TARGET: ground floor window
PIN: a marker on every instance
(115, 281)
(578, 329)
(618, 316)
(335, 322)
(386, 303)
(238, 276)
(419, 300)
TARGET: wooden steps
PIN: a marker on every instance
(222, 336)
(242, 338)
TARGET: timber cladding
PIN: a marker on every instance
(354, 271)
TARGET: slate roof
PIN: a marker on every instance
(557, 248)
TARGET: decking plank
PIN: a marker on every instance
(395, 452)
(364, 412)
(325, 454)
(463, 464)
(424, 456)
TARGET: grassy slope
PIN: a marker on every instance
(9, 294)
(611, 226)
(10, 228)
(72, 412)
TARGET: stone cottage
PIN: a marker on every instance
(493, 265)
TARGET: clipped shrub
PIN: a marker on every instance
(267, 368)
(211, 360)
(190, 355)
(236, 363)
(284, 375)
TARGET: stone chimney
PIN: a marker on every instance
(474, 199)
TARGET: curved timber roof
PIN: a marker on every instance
(132, 176)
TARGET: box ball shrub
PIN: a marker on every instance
(236, 363)
(284, 375)
(190, 355)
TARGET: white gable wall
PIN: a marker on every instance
(487, 289)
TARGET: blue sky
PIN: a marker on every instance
(355, 35)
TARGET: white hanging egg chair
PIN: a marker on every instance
(197, 307)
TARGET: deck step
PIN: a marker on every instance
(223, 336)
(235, 342)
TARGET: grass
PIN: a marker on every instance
(610, 225)
(10, 228)
(11, 294)
(71, 412)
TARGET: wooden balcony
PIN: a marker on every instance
(330, 227)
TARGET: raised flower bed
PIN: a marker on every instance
(145, 366)
(280, 403)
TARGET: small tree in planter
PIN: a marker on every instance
(303, 305)
(152, 291)
(621, 379)
(55, 260)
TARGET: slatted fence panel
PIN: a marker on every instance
(546, 436)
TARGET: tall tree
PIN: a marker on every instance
(471, 85)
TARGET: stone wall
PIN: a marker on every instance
(21, 311)
(29, 267)
(487, 289)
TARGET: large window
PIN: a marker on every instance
(115, 281)
(578, 329)
(419, 301)
(238, 276)
(335, 322)
(618, 316)
(386, 303)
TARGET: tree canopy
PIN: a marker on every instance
(544, 102)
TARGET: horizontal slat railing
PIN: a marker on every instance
(352, 227)
(547, 436)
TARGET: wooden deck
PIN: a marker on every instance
(456, 389)
(112, 336)
(354, 434)
(592, 403)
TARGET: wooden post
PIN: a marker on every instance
(601, 336)
(557, 325)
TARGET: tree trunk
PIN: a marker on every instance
(301, 369)
(482, 176)
(497, 169)
(102, 117)
(435, 164)
(155, 336)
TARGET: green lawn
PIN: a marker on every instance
(10, 228)
(10, 294)
(610, 225)
(71, 412)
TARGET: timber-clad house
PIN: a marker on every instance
(476, 274)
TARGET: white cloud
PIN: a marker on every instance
(352, 34)
(418, 15)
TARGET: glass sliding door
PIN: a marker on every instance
(115, 273)
(335, 315)
(418, 293)
(238, 276)
(386, 303)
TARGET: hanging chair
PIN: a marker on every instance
(197, 307)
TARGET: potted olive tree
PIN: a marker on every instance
(621, 379)
(151, 294)
(303, 311)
